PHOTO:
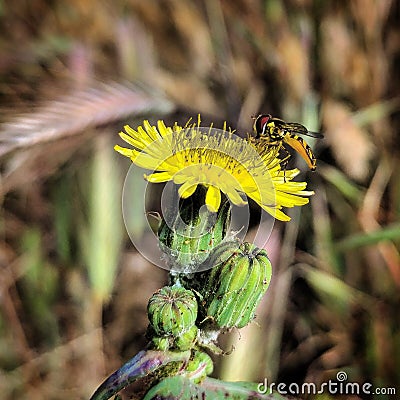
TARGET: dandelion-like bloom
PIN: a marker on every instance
(219, 160)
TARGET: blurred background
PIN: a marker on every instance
(73, 289)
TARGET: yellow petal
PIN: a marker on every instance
(131, 132)
(124, 151)
(158, 177)
(277, 214)
(132, 141)
(146, 161)
(290, 200)
(213, 198)
(151, 130)
(186, 190)
(235, 198)
(162, 129)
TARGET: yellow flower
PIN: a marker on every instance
(219, 160)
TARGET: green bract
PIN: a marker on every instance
(172, 311)
(187, 340)
(235, 287)
(199, 366)
(188, 237)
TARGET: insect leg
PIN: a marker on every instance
(285, 160)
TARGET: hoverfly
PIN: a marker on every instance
(275, 132)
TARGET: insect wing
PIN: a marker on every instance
(298, 144)
(295, 128)
(315, 135)
(299, 129)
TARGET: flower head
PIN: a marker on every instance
(219, 160)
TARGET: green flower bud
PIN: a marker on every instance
(172, 311)
(235, 287)
(193, 232)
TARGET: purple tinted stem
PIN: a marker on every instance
(144, 363)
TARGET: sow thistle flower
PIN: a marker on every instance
(217, 284)
(219, 160)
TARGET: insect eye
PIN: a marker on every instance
(260, 124)
(264, 120)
